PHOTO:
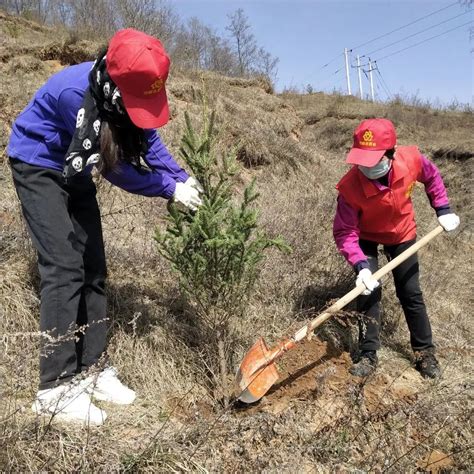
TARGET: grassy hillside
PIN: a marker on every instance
(318, 418)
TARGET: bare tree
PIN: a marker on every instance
(193, 45)
(60, 12)
(136, 13)
(41, 10)
(95, 18)
(198, 46)
(166, 23)
(156, 18)
(222, 58)
(244, 40)
(18, 7)
(34, 9)
(251, 58)
(468, 4)
(266, 64)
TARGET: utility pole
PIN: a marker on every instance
(360, 77)
(371, 80)
(346, 54)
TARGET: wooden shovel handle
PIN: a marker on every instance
(346, 299)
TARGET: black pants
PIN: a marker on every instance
(64, 224)
(407, 285)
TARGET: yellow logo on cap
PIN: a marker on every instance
(367, 139)
(155, 87)
(368, 135)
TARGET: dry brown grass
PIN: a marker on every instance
(294, 146)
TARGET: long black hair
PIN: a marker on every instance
(120, 138)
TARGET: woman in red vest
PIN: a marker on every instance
(374, 207)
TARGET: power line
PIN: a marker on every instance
(414, 34)
(332, 60)
(378, 93)
(424, 41)
(387, 91)
(339, 83)
(332, 73)
(404, 26)
(382, 82)
(326, 78)
(398, 41)
(370, 78)
(376, 68)
(327, 64)
(393, 31)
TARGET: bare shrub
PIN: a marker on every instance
(198, 46)
(251, 58)
(25, 64)
(334, 135)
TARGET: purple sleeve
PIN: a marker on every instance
(434, 186)
(69, 102)
(161, 181)
(143, 182)
(346, 233)
(160, 158)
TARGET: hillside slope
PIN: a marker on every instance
(317, 418)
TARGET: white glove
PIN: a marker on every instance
(365, 277)
(194, 183)
(187, 196)
(449, 221)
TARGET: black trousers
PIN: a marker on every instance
(407, 285)
(64, 225)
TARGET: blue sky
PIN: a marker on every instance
(306, 34)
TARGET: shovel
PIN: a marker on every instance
(258, 372)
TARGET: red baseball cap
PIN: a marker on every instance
(139, 66)
(371, 139)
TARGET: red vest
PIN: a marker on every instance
(385, 216)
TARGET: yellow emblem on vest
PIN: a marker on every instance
(410, 188)
(155, 87)
(367, 139)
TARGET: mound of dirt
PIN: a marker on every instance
(317, 373)
(314, 400)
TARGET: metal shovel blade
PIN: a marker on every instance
(256, 374)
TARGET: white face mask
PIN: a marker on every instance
(377, 171)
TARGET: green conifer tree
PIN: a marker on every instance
(216, 250)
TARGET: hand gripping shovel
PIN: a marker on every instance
(258, 372)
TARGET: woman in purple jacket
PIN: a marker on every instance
(104, 114)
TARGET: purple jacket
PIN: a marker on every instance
(346, 222)
(43, 131)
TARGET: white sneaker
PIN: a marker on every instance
(107, 387)
(68, 402)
